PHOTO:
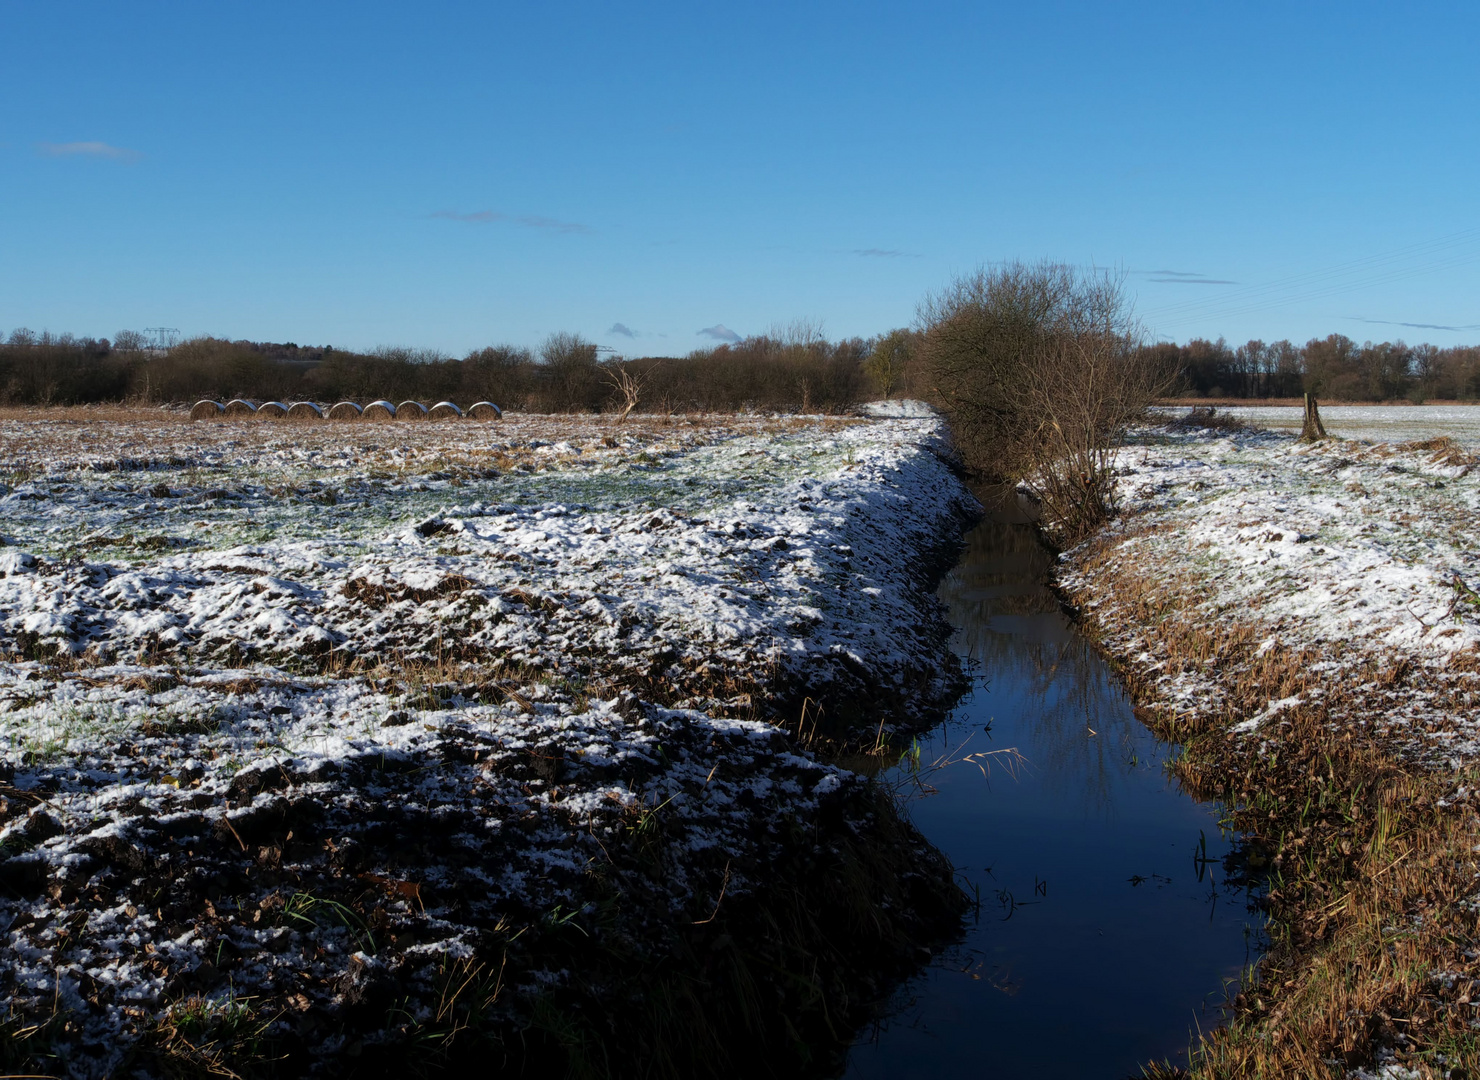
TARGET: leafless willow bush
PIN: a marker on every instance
(1039, 368)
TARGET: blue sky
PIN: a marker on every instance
(452, 175)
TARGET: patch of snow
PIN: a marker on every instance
(443, 676)
(899, 408)
(1363, 554)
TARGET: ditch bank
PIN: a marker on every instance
(499, 755)
(1298, 619)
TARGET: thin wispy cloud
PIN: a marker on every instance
(477, 217)
(622, 329)
(1416, 325)
(719, 332)
(88, 149)
(1191, 281)
(529, 221)
(1183, 277)
(884, 253)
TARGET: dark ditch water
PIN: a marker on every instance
(1107, 935)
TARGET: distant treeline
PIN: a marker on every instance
(1334, 367)
(784, 371)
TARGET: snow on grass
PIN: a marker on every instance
(278, 698)
(1361, 553)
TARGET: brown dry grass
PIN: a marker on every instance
(1442, 451)
(1295, 402)
(93, 414)
(61, 438)
(1208, 417)
(1369, 859)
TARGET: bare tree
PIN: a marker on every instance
(798, 334)
(628, 385)
(128, 341)
(573, 376)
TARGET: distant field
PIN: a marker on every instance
(1377, 423)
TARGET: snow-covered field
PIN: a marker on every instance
(1359, 555)
(299, 715)
(1373, 423)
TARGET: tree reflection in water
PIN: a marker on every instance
(1101, 941)
(1010, 624)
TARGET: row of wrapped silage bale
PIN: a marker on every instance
(240, 408)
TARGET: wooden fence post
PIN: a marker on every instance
(1312, 430)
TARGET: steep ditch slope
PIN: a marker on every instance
(352, 752)
(1303, 620)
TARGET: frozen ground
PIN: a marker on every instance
(1374, 423)
(297, 719)
(1360, 557)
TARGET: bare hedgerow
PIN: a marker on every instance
(1039, 368)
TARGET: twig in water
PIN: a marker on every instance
(1010, 757)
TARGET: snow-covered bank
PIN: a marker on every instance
(1302, 620)
(307, 717)
(1358, 554)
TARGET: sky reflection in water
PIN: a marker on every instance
(1097, 947)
